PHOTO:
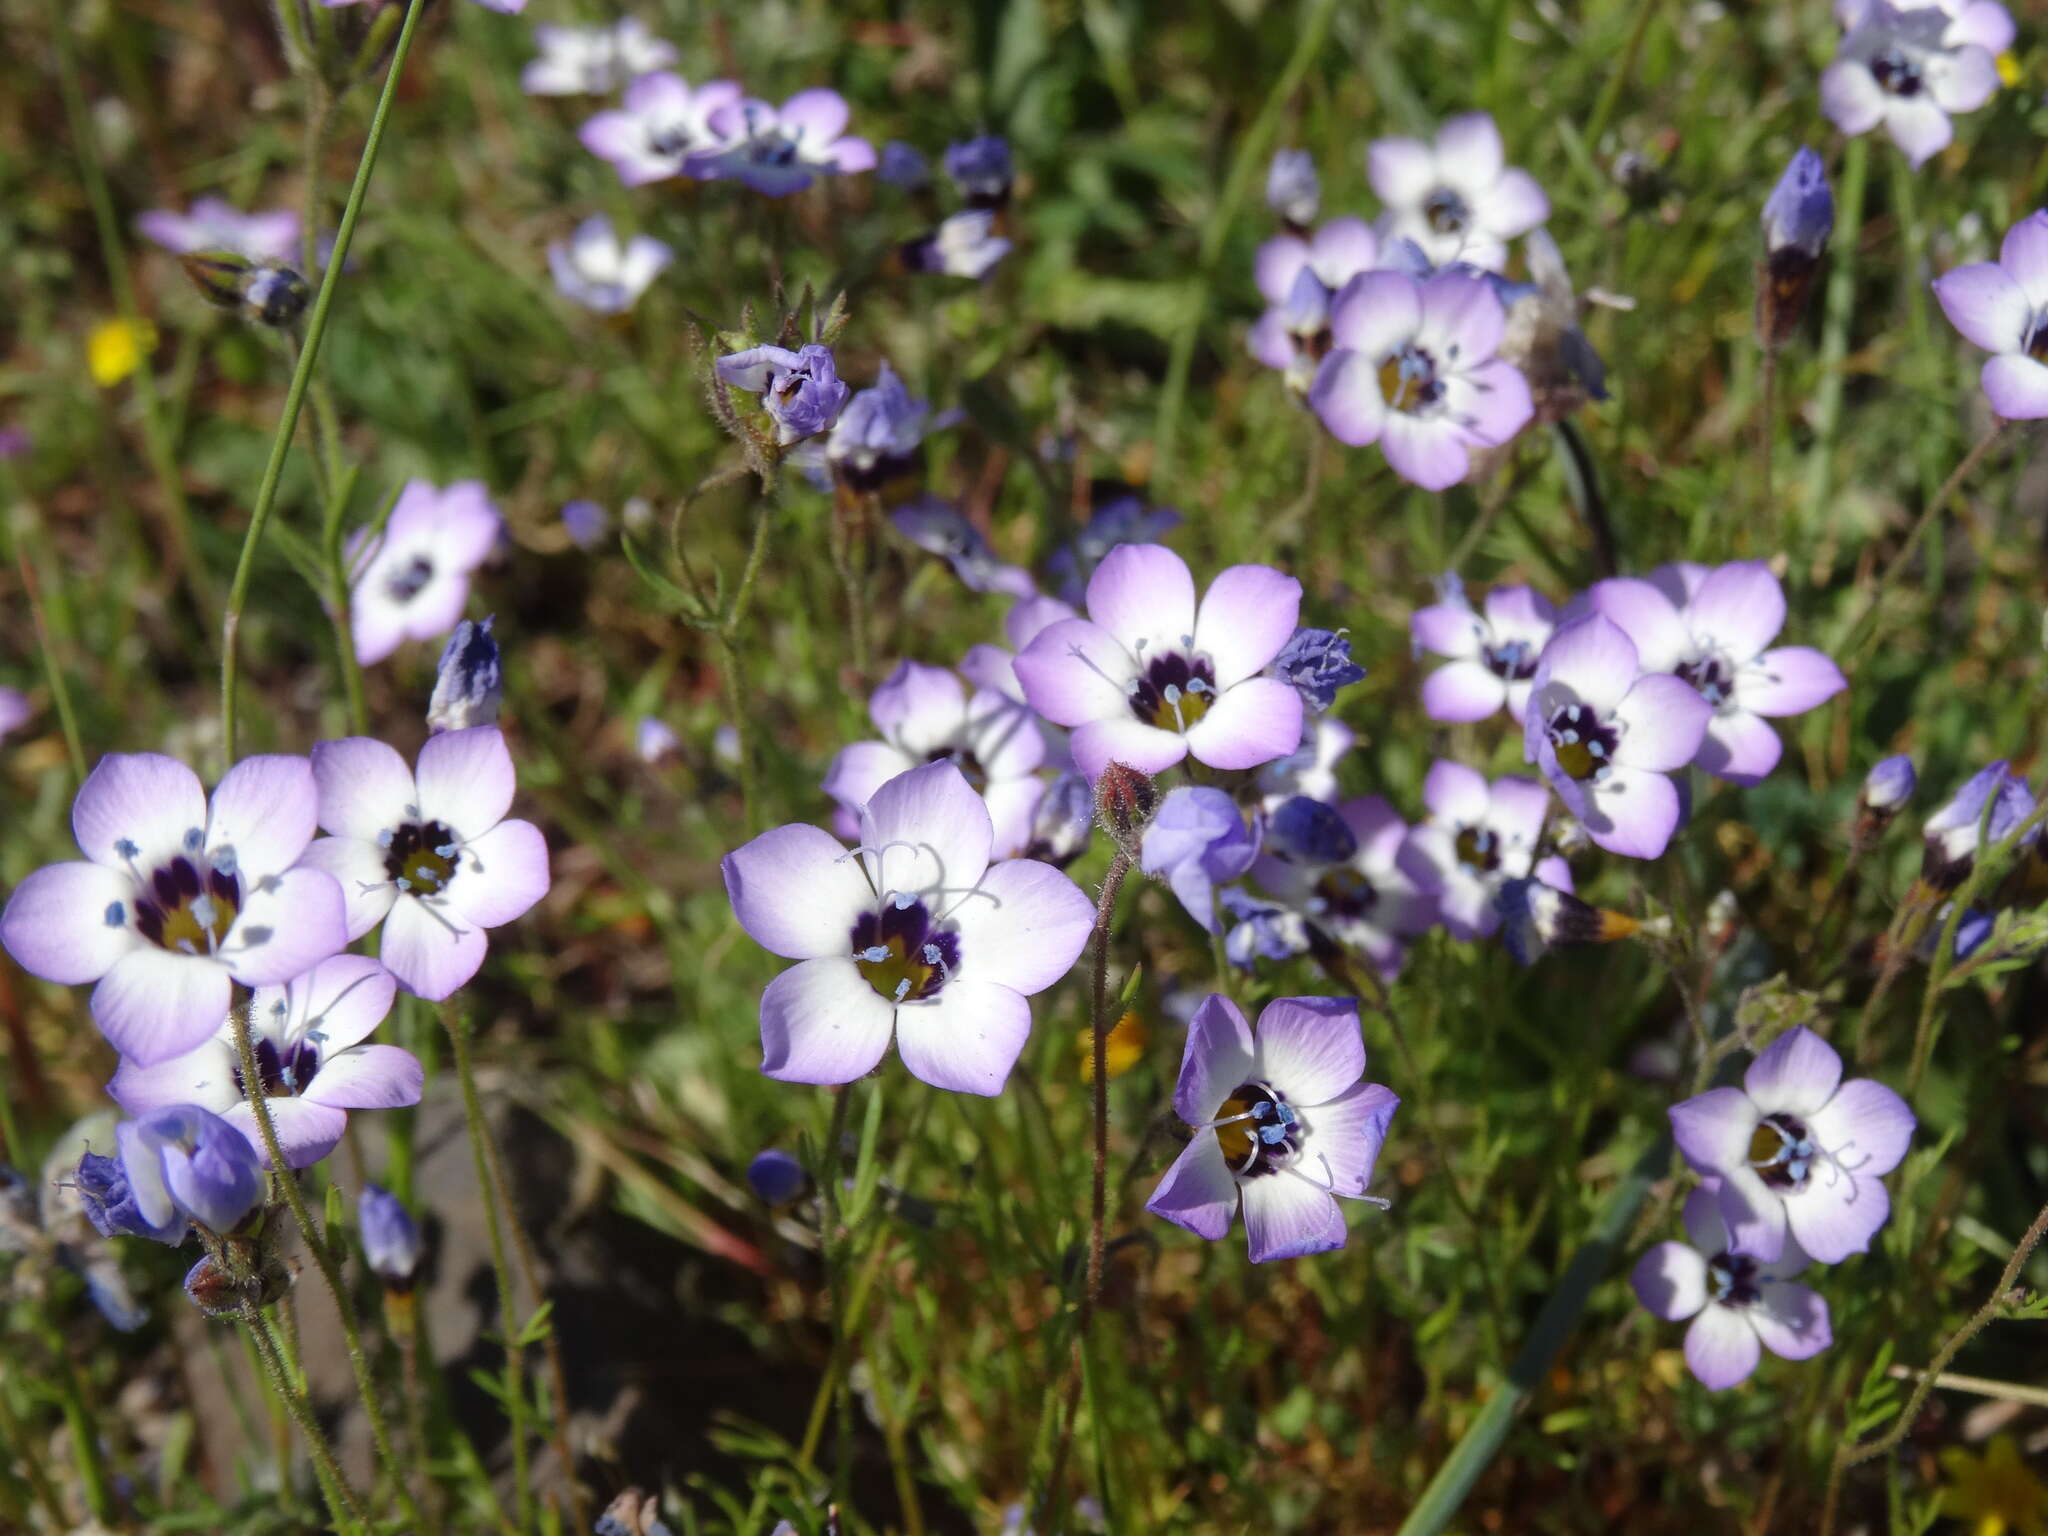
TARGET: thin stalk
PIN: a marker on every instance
(323, 1259)
(1839, 311)
(1848, 1455)
(1980, 1386)
(1482, 1440)
(295, 395)
(155, 435)
(20, 1443)
(1610, 93)
(53, 671)
(83, 1424)
(1766, 434)
(343, 1501)
(457, 1025)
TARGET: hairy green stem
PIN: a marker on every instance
(295, 395)
(343, 1501)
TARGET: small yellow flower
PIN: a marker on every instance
(1121, 1051)
(116, 349)
(2009, 68)
(1994, 1493)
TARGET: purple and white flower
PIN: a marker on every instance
(1312, 769)
(913, 933)
(427, 851)
(924, 715)
(1797, 1150)
(964, 244)
(310, 1054)
(874, 442)
(1713, 629)
(1283, 1124)
(779, 150)
(1476, 837)
(1301, 279)
(1995, 801)
(990, 666)
(410, 578)
(660, 125)
(1064, 823)
(213, 224)
(2002, 306)
(586, 522)
(654, 739)
(1606, 734)
(1197, 841)
(1493, 650)
(1315, 663)
(801, 390)
(183, 1164)
(589, 61)
(603, 273)
(1348, 869)
(942, 529)
(1739, 1304)
(1910, 68)
(469, 684)
(1888, 786)
(982, 169)
(179, 897)
(1149, 677)
(1263, 930)
(1293, 190)
(14, 710)
(1458, 199)
(1413, 368)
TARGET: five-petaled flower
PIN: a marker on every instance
(912, 933)
(427, 851)
(1349, 871)
(1737, 1301)
(1149, 678)
(2002, 306)
(214, 224)
(178, 897)
(1301, 279)
(411, 577)
(1478, 836)
(598, 270)
(1493, 650)
(1797, 1150)
(1413, 368)
(1459, 199)
(1283, 1125)
(779, 150)
(588, 61)
(661, 125)
(1910, 66)
(308, 1037)
(1714, 629)
(1605, 733)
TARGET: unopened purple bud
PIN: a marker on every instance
(1063, 823)
(1798, 219)
(109, 1203)
(1305, 831)
(391, 1240)
(1316, 663)
(982, 169)
(903, 166)
(1889, 785)
(470, 682)
(776, 1177)
(653, 740)
(1292, 188)
(587, 523)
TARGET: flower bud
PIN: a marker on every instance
(391, 1240)
(982, 170)
(470, 682)
(1536, 916)
(776, 1177)
(1888, 786)
(653, 740)
(1292, 189)
(1316, 663)
(1995, 801)
(1125, 801)
(268, 292)
(213, 1290)
(1797, 219)
(1061, 827)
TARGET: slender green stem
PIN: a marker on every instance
(1252, 150)
(1766, 436)
(83, 1424)
(21, 1448)
(1482, 1440)
(53, 670)
(323, 1259)
(1979, 1386)
(155, 434)
(1834, 344)
(343, 1502)
(456, 1023)
(295, 395)
(1618, 77)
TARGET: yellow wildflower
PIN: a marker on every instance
(1121, 1051)
(1995, 1494)
(2009, 68)
(116, 349)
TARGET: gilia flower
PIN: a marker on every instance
(904, 167)
(214, 224)
(1605, 733)
(1910, 68)
(308, 1037)
(801, 390)
(1478, 836)
(1798, 1150)
(1798, 219)
(874, 442)
(596, 269)
(1714, 629)
(925, 715)
(1315, 663)
(182, 1163)
(1120, 520)
(1493, 651)
(964, 244)
(1196, 842)
(2002, 306)
(990, 666)
(1349, 871)
(981, 168)
(913, 933)
(779, 150)
(653, 739)
(1262, 931)
(1148, 678)
(412, 577)
(427, 851)
(660, 124)
(1538, 912)
(469, 683)
(179, 898)
(1064, 824)
(1300, 279)
(391, 1239)
(1282, 1124)
(1292, 188)
(1312, 770)
(941, 528)
(1739, 1304)
(1458, 200)
(1413, 369)
(1951, 833)
(589, 61)
(1888, 786)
